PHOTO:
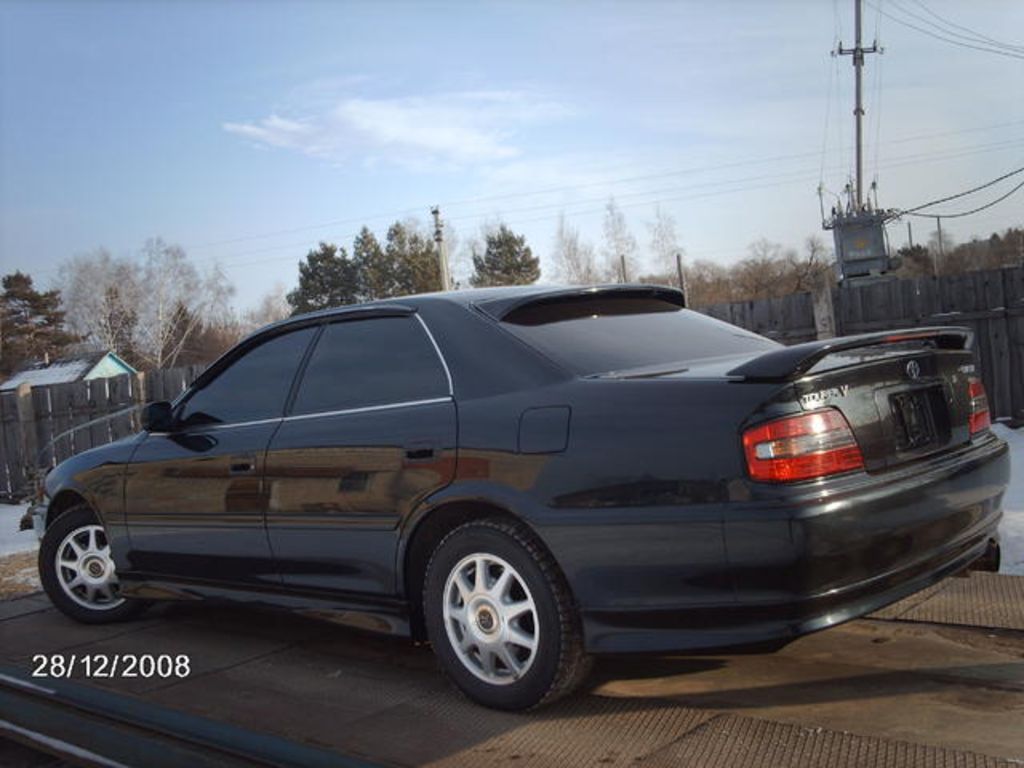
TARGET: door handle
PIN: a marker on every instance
(242, 465)
(419, 452)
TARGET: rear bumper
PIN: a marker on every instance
(804, 563)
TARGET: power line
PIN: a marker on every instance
(950, 40)
(972, 34)
(240, 259)
(877, 96)
(828, 112)
(971, 191)
(768, 181)
(966, 213)
(573, 187)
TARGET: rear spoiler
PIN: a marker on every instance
(502, 307)
(792, 362)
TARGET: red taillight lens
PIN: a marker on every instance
(979, 418)
(801, 447)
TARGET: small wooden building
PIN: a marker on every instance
(93, 365)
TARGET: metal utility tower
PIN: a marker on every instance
(858, 227)
(442, 256)
(857, 52)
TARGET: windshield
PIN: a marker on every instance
(600, 334)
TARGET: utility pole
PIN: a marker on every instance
(622, 264)
(942, 245)
(858, 52)
(442, 257)
(679, 272)
(910, 233)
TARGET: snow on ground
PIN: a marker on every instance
(1011, 532)
(11, 539)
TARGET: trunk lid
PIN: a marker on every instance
(902, 402)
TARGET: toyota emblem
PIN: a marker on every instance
(913, 369)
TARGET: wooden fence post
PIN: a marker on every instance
(824, 312)
(138, 382)
(27, 435)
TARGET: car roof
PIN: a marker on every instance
(496, 302)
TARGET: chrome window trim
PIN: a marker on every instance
(370, 408)
(363, 409)
(253, 423)
(437, 349)
(318, 414)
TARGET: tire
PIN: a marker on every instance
(78, 539)
(514, 641)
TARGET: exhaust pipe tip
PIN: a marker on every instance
(989, 561)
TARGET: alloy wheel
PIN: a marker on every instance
(85, 569)
(490, 618)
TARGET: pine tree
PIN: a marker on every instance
(415, 258)
(31, 323)
(379, 272)
(327, 278)
(506, 260)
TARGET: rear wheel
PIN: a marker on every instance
(501, 618)
(78, 573)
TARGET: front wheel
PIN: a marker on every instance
(501, 618)
(78, 573)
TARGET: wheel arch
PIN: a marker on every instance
(426, 532)
(63, 501)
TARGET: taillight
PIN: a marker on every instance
(979, 418)
(801, 447)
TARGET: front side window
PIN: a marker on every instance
(254, 386)
(363, 363)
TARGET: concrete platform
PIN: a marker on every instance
(921, 684)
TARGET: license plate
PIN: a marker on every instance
(915, 424)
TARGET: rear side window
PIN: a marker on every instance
(255, 386)
(362, 363)
(600, 334)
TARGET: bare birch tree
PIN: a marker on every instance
(101, 298)
(273, 306)
(664, 243)
(574, 258)
(176, 301)
(619, 244)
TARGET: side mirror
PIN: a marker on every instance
(156, 417)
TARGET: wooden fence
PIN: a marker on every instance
(42, 426)
(990, 302)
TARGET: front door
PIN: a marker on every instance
(371, 433)
(194, 495)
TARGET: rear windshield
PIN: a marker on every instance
(600, 334)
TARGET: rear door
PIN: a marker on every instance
(195, 504)
(371, 432)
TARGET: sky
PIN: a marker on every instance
(247, 132)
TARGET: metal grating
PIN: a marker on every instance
(980, 600)
(741, 742)
(450, 731)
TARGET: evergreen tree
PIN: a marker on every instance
(916, 261)
(506, 260)
(377, 269)
(415, 258)
(327, 278)
(31, 323)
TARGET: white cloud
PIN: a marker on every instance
(417, 131)
(277, 132)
